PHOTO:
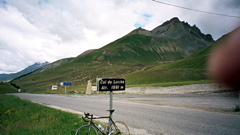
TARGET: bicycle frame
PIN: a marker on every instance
(110, 123)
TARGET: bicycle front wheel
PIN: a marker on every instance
(86, 130)
(120, 128)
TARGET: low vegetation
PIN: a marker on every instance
(236, 108)
(7, 88)
(80, 89)
(22, 117)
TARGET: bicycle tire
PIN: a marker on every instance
(86, 130)
(120, 129)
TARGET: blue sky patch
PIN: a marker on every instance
(137, 25)
(147, 15)
(143, 21)
(3, 2)
(40, 2)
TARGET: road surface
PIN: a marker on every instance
(153, 114)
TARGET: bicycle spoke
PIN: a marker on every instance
(120, 128)
(86, 130)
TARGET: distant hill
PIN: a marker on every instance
(8, 77)
(136, 51)
(53, 65)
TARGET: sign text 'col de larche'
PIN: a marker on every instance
(110, 84)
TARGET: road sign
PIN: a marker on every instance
(110, 84)
(66, 83)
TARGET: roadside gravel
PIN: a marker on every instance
(186, 89)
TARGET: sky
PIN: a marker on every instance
(48, 30)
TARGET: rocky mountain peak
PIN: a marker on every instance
(174, 20)
(174, 28)
(140, 31)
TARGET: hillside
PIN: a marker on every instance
(192, 68)
(137, 51)
(53, 65)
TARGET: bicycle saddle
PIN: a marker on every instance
(111, 111)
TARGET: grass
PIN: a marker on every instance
(22, 117)
(7, 88)
(236, 108)
(81, 89)
(159, 75)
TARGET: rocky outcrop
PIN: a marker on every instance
(174, 28)
(140, 31)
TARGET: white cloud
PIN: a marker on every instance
(208, 24)
(48, 30)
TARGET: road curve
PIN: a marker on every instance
(155, 119)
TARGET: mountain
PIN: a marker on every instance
(180, 30)
(140, 31)
(172, 40)
(190, 38)
(192, 68)
(138, 50)
(86, 52)
(29, 69)
(52, 65)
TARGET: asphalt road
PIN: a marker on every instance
(148, 115)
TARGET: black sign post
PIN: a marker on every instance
(110, 84)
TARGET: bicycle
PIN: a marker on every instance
(113, 128)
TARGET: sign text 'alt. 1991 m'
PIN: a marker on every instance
(110, 84)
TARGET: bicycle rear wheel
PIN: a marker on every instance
(86, 130)
(120, 128)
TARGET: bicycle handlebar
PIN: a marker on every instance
(87, 116)
(90, 116)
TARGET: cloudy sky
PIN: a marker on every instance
(48, 30)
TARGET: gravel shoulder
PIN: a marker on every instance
(185, 89)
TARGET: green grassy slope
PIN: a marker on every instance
(136, 49)
(192, 68)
